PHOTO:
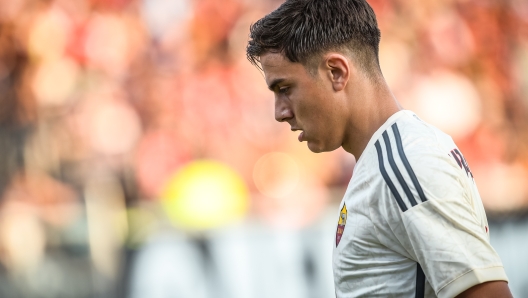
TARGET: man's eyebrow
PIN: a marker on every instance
(274, 84)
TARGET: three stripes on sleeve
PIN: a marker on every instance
(396, 170)
(420, 276)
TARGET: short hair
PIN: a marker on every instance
(303, 29)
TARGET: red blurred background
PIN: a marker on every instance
(139, 156)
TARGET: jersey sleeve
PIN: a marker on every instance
(441, 226)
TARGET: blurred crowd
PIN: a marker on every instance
(139, 155)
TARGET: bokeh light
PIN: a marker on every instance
(449, 102)
(54, 82)
(205, 195)
(114, 128)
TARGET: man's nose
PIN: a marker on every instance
(283, 111)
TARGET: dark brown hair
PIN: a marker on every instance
(303, 29)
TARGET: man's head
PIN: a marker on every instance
(304, 29)
(309, 50)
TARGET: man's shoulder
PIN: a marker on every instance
(419, 136)
(402, 151)
(407, 138)
(413, 142)
(403, 141)
(408, 132)
(410, 159)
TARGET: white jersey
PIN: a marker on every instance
(411, 223)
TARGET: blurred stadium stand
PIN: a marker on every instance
(139, 156)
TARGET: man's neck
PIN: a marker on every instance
(370, 109)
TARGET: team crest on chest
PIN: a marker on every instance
(341, 224)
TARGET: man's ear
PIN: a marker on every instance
(338, 69)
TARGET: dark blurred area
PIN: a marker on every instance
(139, 156)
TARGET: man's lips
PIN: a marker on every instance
(300, 137)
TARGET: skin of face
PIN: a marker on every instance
(308, 102)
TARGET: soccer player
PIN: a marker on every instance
(411, 223)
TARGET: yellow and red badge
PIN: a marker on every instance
(341, 224)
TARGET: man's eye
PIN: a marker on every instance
(283, 89)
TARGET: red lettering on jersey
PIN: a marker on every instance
(461, 161)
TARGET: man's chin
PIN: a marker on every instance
(319, 148)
